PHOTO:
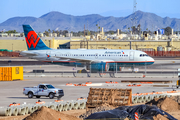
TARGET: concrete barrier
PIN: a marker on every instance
(4, 111)
(76, 104)
(56, 107)
(136, 75)
(30, 108)
(43, 74)
(68, 75)
(93, 75)
(10, 112)
(28, 74)
(26, 110)
(65, 106)
(71, 105)
(140, 99)
(164, 75)
(148, 98)
(14, 111)
(134, 99)
(52, 106)
(21, 110)
(81, 75)
(82, 105)
(60, 107)
(104, 75)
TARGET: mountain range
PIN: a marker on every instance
(59, 21)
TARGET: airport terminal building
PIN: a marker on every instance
(19, 44)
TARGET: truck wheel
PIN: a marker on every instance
(30, 95)
(38, 96)
(51, 95)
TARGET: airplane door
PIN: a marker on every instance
(96, 55)
(42, 90)
(131, 55)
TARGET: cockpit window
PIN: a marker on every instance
(142, 55)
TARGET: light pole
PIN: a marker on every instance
(12, 46)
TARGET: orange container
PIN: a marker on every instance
(11, 73)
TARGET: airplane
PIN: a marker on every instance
(92, 59)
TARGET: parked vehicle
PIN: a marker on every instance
(46, 90)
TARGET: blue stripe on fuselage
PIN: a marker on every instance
(123, 63)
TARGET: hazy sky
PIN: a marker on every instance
(117, 8)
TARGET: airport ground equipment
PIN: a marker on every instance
(114, 97)
(46, 90)
(177, 84)
(11, 73)
(178, 81)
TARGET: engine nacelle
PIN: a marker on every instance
(99, 67)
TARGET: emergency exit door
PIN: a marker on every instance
(131, 55)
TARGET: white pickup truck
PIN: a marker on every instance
(46, 90)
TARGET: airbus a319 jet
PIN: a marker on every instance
(94, 59)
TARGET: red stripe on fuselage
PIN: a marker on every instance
(107, 62)
(59, 61)
(128, 61)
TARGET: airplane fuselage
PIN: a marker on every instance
(97, 56)
(96, 59)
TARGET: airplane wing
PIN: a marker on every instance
(28, 54)
(85, 60)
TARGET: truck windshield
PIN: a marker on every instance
(50, 86)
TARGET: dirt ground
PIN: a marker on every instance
(78, 113)
(169, 105)
(71, 112)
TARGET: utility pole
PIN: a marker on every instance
(87, 25)
(134, 11)
(84, 30)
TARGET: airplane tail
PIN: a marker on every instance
(33, 41)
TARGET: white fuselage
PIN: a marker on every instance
(104, 55)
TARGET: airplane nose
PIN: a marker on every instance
(152, 59)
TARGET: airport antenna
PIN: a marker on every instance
(84, 30)
(87, 25)
(134, 11)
